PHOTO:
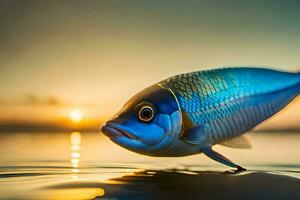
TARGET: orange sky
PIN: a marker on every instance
(58, 56)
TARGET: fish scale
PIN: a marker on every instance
(255, 108)
(232, 101)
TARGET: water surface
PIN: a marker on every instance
(89, 166)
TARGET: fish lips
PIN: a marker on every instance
(111, 130)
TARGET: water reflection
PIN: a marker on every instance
(181, 184)
(53, 166)
(77, 193)
(75, 139)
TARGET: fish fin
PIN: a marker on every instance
(209, 152)
(194, 135)
(241, 142)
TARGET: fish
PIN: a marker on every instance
(189, 113)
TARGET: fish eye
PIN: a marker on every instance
(146, 113)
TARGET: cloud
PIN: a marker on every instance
(33, 99)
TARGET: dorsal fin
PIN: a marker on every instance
(241, 142)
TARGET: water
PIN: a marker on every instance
(89, 166)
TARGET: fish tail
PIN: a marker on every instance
(297, 86)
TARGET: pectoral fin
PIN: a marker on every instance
(195, 135)
(209, 152)
(241, 142)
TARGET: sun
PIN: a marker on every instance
(75, 116)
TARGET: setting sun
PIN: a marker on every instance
(75, 116)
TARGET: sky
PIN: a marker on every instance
(57, 57)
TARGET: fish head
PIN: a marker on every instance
(147, 123)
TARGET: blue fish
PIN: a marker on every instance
(189, 113)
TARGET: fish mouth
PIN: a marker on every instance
(111, 130)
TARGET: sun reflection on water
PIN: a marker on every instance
(75, 139)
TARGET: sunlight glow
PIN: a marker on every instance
(75, 155)
(75, 139)
(75, 116)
